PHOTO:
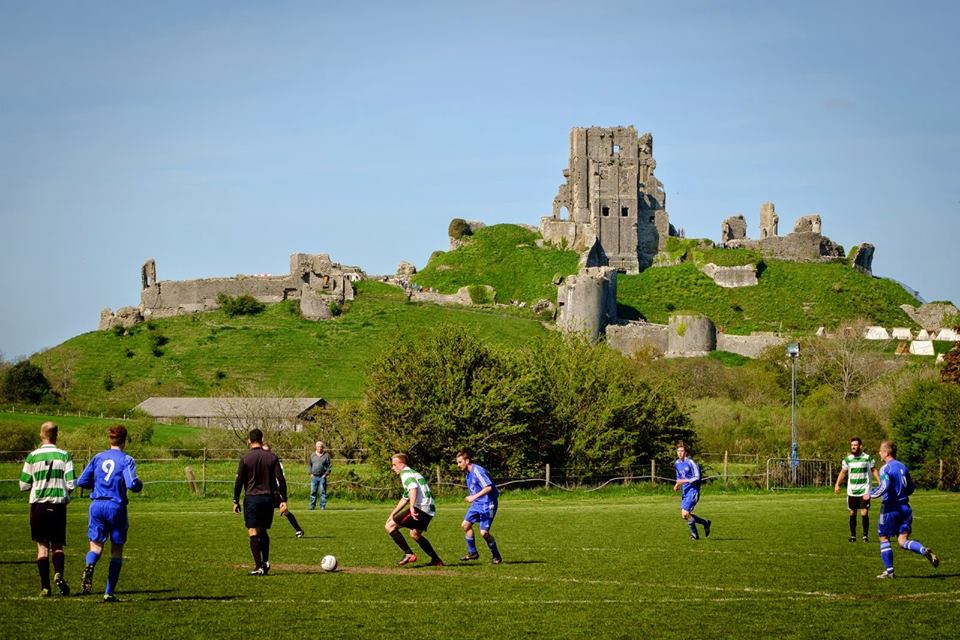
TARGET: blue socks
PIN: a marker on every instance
(92, 557)
(886, 554)
(915, 546)
(471, 544)
(113, 574)
(492, 545)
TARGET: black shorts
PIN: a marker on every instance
(857, 502)
(404, 520)
(48, 523)
(258, 511)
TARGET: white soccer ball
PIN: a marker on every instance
(329, 563)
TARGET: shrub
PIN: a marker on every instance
(335, 309)
(459, 228)
(480, 294)
(108, 383)
(18, 440)
(244, 305)
(25, 382)
(157, 340)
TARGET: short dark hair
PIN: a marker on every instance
(255, 435)
(117, 435)
(857, 440)
(465, 453)
(681, 443)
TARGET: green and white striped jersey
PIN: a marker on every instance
(411, 479)
(48, 474)
(858, 473)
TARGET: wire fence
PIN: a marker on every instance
(209, 472)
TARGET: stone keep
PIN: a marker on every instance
(615, 206)
(588, 301)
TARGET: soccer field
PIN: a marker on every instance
(615, 566)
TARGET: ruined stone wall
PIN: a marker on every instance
(732, 277)
(768, 220)
(612, 198)
(690, 335)
(588, 301)
(749, 346)
(314, 280)
(861, 258)
(638, 337)
(733, 229)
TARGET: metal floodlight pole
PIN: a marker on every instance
(793, 351)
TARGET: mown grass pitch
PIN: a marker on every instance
(600, 566)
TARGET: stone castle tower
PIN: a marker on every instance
(615, 206)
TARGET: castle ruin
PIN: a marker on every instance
(611, 209)
(314, 280)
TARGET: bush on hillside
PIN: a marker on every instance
(459, 228)
(25, 382)
(18, 440)
(243, 305)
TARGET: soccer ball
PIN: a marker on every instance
(329, 563)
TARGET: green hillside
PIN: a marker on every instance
(791, 297)
(207, 353)
(504, 256)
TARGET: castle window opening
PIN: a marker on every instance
(653, 219)
(616, 148)
(624, 211)
(605, 211)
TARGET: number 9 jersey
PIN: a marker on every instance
(109, 474)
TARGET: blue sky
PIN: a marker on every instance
(220, 137)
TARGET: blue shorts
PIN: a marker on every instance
(482, 514)
(895, 521)
(689, 499)
(107, 518)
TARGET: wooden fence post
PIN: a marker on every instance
(653, 473)
(546, 482)
(725, 460)
(192, 480)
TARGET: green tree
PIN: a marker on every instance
(926, 425)
(448, 390)
(25, 382)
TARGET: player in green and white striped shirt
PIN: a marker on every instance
(857, 466)
(48, 475)
(416, 494)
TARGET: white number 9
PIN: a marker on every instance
(107, 467)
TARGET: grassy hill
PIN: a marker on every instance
(203, 354)
(276, 351)
(791, 297)
(504, 256)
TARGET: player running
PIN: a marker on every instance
(688, 477)
(417, 495)
(896, 516)
(483, 498)
(48, 475)
(109, 474)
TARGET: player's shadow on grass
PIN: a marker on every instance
(18, 562)
(474, 563)
(197, 598)
(932, 576)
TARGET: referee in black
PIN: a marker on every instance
(259, 476)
